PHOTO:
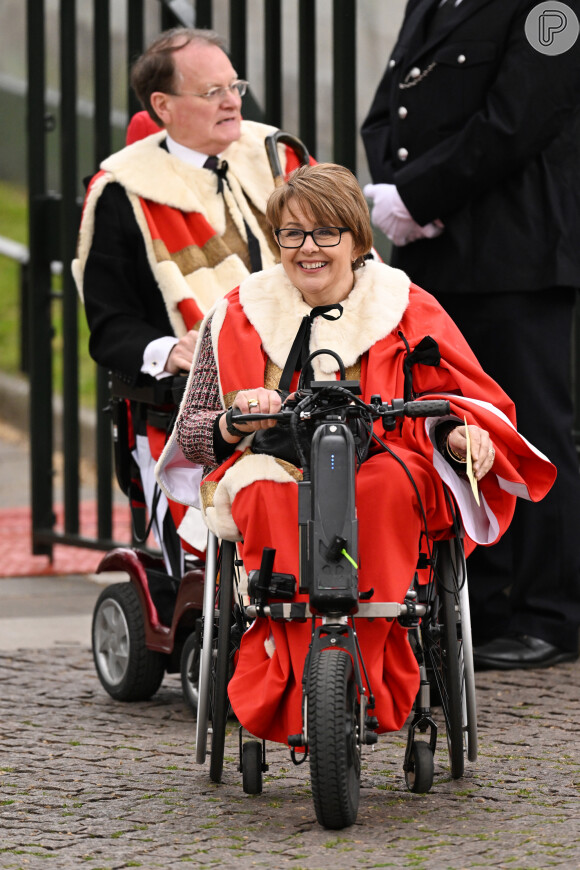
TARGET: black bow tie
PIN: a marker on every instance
(220, 167)
(300, 350)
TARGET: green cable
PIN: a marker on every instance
(350, 559)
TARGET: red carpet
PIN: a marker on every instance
(16, 559)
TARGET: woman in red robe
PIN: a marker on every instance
(393, 337)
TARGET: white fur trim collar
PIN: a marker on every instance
(142, 169)
(372, 310)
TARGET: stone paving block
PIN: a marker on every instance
(86, 781)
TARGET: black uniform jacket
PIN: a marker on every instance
(478, 128)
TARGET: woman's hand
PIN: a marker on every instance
(482, 450)
(257, 401)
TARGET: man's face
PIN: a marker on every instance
(204, 125)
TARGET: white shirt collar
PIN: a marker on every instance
(188, 155)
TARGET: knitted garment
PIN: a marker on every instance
(195, 237)
(202, 403)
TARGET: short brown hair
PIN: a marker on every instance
(155, 69)
(332, 195)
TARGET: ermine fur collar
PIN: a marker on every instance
(149, 171)
(374, 307)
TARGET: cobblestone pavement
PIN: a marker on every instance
(88, 782)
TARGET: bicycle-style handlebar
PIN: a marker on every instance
(351, 407)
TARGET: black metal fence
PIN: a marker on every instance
(53, 138)
(54, 216)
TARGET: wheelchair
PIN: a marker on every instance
(149, 626)
(338, 715)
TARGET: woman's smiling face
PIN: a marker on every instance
(322, 274)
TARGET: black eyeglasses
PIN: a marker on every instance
(324, 237)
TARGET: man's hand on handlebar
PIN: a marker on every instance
(482, 450)
(181, 356)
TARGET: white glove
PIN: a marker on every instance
(390, 214)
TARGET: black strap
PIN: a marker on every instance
(231, 427)
(220, 168)
(300, 350)
(426, 353)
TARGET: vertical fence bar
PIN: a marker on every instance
(69, 231)
(102, 148)
(135, 41)
(273, 62)
(23, 285)
(575, 372)
(307, 73)
(344, 82)
(166, 17)
(204, 14)
(40, 351)
(102, 79)
(238, 42)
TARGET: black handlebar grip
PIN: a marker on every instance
(427, 408)
(282, 416)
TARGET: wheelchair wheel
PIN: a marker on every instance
(221, 702)
(468, 673)
(252, 767)
(126, 668)
(447, 640)
(189, 669)
(207, 651)
(452, 701)
(333, 738)
(419, 777)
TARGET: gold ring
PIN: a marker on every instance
(253, 404)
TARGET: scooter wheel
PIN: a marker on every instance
(126, 668)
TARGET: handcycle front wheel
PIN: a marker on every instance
(333, 738)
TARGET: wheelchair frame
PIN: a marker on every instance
(338, 722)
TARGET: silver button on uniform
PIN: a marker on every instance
(392, 63)
(402, 153)
(415, 72)
(461, 58)
(402, 112)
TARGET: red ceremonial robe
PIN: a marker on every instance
(254, 497)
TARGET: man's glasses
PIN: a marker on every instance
(217, 93)
(324, 237)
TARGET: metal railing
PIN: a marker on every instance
(54, 216)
